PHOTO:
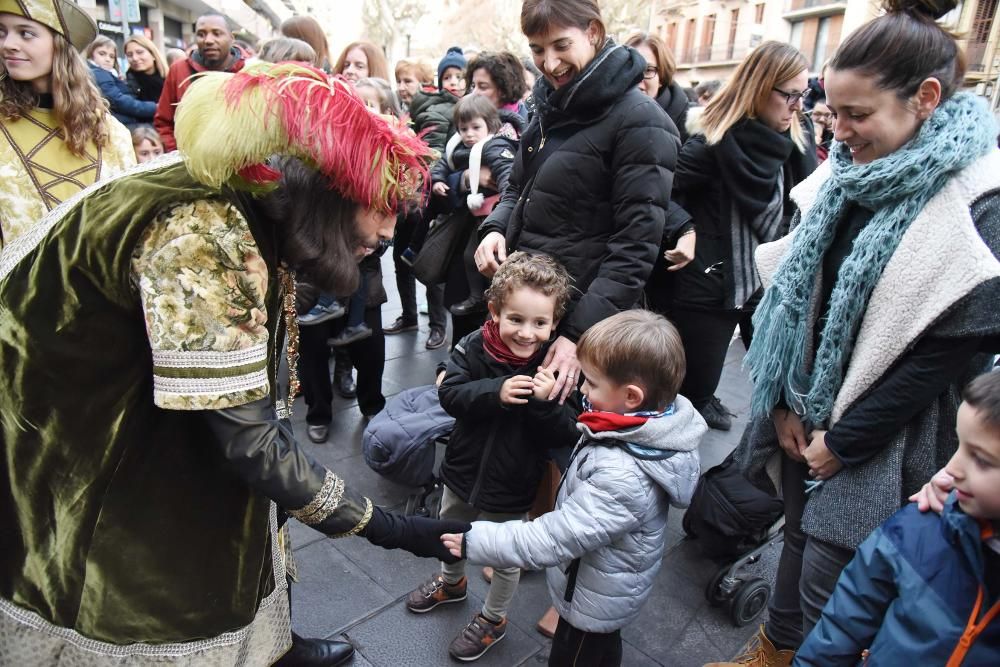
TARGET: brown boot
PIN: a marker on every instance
(759, 652)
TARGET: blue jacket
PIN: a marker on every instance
(125, 106)
(907, 596)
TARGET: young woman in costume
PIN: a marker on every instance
(56, 135)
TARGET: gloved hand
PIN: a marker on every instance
(418, 535)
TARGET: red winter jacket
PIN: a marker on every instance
(178, 79)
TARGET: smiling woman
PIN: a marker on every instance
(881, 304)
(591, 180)
(56, 136)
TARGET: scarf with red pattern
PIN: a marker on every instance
(496, 348)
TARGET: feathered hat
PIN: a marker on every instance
(227, 125)
(62, 16)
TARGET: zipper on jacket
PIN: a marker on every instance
(482, 468)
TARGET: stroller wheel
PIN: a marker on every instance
(713, 592)
(750, 600)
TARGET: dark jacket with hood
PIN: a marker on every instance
(598, 203)
(496, 455)
(431, 112)
(178, 79)
(124, 104)
(674, 101)
(729, 190)
(498, 156)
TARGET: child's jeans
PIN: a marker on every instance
(356, 304)
(577, 648)
(505, 580)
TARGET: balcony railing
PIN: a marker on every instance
(796, 5)
(975, 56)
(717, 53)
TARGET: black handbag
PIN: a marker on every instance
(447, 235)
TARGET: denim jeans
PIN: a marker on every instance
(808, 569)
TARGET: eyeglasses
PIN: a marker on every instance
(650, 72)
(791, 99)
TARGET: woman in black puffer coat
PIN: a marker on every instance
(591, 182)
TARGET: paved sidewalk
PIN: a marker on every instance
(356, 591)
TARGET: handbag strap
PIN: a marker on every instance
(475, 160)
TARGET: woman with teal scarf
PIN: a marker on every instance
(882, 302)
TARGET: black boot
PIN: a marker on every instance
(343, 380)
(474, 304)
(315, 652)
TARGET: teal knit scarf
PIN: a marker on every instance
(896, 187)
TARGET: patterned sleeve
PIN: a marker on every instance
(202, 282)
(119, 154)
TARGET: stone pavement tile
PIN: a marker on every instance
(332, 592)
(302, 536)
(397, 572)
(362, 479)
(398, 638)
(408, 372)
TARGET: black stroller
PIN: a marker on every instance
(735, 522)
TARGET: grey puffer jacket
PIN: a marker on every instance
(611, 512)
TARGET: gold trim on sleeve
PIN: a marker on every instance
(369, 510)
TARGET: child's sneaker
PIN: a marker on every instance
(477, 638)
(408, 256)
(434, 592)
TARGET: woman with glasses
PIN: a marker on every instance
(822, 119)
(733, 177)
(658, 78)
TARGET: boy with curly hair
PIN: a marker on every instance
(504, 425)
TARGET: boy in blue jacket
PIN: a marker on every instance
(924, 589)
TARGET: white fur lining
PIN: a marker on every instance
(940, 259)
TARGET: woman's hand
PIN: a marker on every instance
(440, 189)
(453, 543)
(515, 390)
(544, 381)
(791, 433)
(562, 362)
(822, 463)
(683, 252)
(933, 494)
(491, 253)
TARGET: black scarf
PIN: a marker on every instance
(613, 72)
(147, 85)
(751, 159)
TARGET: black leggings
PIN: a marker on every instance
(706, 335)
(576, 648)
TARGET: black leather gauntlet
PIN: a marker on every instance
(262, 451)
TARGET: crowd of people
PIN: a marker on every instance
(186, 244)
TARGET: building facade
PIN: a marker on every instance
(170, 23)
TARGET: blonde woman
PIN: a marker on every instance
(125, 105)
(56, 135)
(146, 68)
(361, 59)
(733, 178)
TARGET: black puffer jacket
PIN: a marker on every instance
(674, 101)
(598, 203)
(496, 455)
(498, 154)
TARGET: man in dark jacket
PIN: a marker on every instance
(215, 53)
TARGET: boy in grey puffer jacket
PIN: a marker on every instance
(604, 542)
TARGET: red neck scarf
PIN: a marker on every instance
(610, 421)
(496, 348)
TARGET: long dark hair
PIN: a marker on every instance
(317, 227)
(904, 47)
